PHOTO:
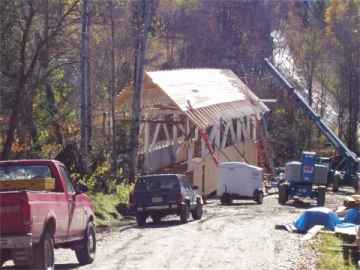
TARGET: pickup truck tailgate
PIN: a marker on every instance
(14, 213)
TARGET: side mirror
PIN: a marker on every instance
(131, 198)
(81, 188)
(195, 187)
(73, 179)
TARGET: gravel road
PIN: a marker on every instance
(241, 236)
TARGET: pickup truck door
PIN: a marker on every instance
(75, 229)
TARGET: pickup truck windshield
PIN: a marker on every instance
(23, 172)
(152, 183)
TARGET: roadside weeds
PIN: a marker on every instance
(330, 254)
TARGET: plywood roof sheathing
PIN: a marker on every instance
(213, 94)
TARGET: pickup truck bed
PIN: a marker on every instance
(32, 221)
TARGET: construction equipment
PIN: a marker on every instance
(304, 179)
(348, 167)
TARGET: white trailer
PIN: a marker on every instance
(239, 180)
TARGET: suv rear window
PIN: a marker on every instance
(24, 172)
(153, 183)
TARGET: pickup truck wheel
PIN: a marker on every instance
(197, 212)
(185, 213)
(44, 258)
(141, 219)
(86, 253)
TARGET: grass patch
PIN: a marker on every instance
(330, 253)
(105, 205)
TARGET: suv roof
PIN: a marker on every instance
(163, 174)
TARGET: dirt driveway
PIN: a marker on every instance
(241, 236)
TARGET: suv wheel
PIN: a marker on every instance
(185, 213)
(4, 256)
(156, 219)
(197, 212)
(141, 219)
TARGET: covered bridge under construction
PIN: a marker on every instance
(180, 105)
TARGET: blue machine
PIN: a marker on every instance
(301, 181)
(304, 185)
(308, 166)
(349, 163)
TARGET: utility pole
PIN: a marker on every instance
(85, 128)
(112, 87)
(141, 46)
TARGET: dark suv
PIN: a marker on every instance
(165, 194)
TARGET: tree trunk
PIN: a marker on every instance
(88, 78)
(10, 134)
(138, 87)
(353, 111)
(21, 81)
(44, 60)
(84, 85)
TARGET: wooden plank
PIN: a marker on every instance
(212, 133)
(146, 137)
(167, 134)
(224, 137)
(195, 119)
(174, 133)
(213, 111)
(210, 115)
(181, 128)
(232, 132)
(269, 100)
(203, 119)
(156, 134)
(165, 107)
(190, 155)
(238, 130)
(327, 232)
(312, 232)
(153, 121)
(347, 231)
(37, 184)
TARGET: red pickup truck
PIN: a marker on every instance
(34, 221)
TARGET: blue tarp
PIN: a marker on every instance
(352, 216)
(317, 216)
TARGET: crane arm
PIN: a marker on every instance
(300, 101)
